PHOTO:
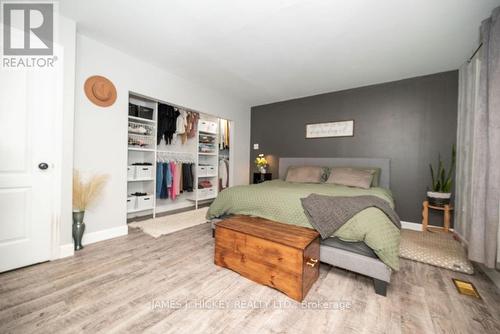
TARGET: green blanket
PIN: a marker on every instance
(280, 201)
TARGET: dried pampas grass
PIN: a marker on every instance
(86, 193)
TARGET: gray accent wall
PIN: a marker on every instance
(409, 121)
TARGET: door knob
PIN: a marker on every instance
(43, 165)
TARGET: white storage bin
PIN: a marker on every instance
(143, 172)
(130, 172)
(131, 203)
(211, 170)
(212, 127)
(206, 193)
(144, 202)
(207, 126)
(210, 192)
(201, 170)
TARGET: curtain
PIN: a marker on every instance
(468, 75)
(478, 147)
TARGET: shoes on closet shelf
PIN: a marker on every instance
(139, 194)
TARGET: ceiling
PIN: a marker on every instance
(262, 51)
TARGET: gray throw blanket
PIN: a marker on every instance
(328, 213)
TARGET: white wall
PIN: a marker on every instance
(100, 134)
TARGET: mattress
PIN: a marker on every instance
(358, 247)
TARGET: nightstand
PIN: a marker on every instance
(425, 215)
(261, 177)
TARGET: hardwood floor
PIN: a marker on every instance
(138, 284)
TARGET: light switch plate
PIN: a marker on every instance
(255, 146)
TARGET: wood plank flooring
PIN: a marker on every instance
(137, 284)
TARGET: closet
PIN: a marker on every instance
(178, 158)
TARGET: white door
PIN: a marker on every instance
(28, 102)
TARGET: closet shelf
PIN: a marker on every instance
(140, 119)
(139, 180)
(207, 198)
(207, 153)
(206, 176)
(208, 133)
(203, 198)
(175, 152)
(139, 210)
(141, 149)
(140, 134)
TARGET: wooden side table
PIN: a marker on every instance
(425, 215)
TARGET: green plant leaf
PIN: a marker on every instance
(442, 179)
(432, 177)
(452, 165)
(447, 186)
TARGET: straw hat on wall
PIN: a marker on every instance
(100, 91)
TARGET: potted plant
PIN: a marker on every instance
(85, 194)
(442, 181)
(261, 163)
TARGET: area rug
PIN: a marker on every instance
(436, 248)
(157, 227)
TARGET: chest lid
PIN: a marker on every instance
(286, 234)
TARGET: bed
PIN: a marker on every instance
(367, 244)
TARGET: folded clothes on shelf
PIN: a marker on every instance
(207, 139)
(204, 184)
(206, 148)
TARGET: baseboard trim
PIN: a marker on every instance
(66, 251)
(492, 274)
(90, 238)
(110, 233)
(411, 226)
(418, 227)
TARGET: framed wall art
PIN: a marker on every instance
(330, 129)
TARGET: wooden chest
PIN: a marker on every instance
(282, 256)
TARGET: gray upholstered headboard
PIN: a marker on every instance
(383, 163)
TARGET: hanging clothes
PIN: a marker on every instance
(223, 134)
(226, 141)
(181, 125)
(187, 177)
(177, 180)
(173, 188)
(167, 123)
(189, 123)
(169, 175)
(179, 168)
(159, 178)
(165, 180)
(223, 173)
(226, 162)
(173, 178)
(195, 117)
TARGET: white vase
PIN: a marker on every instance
(438, 198)
(262, 170)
